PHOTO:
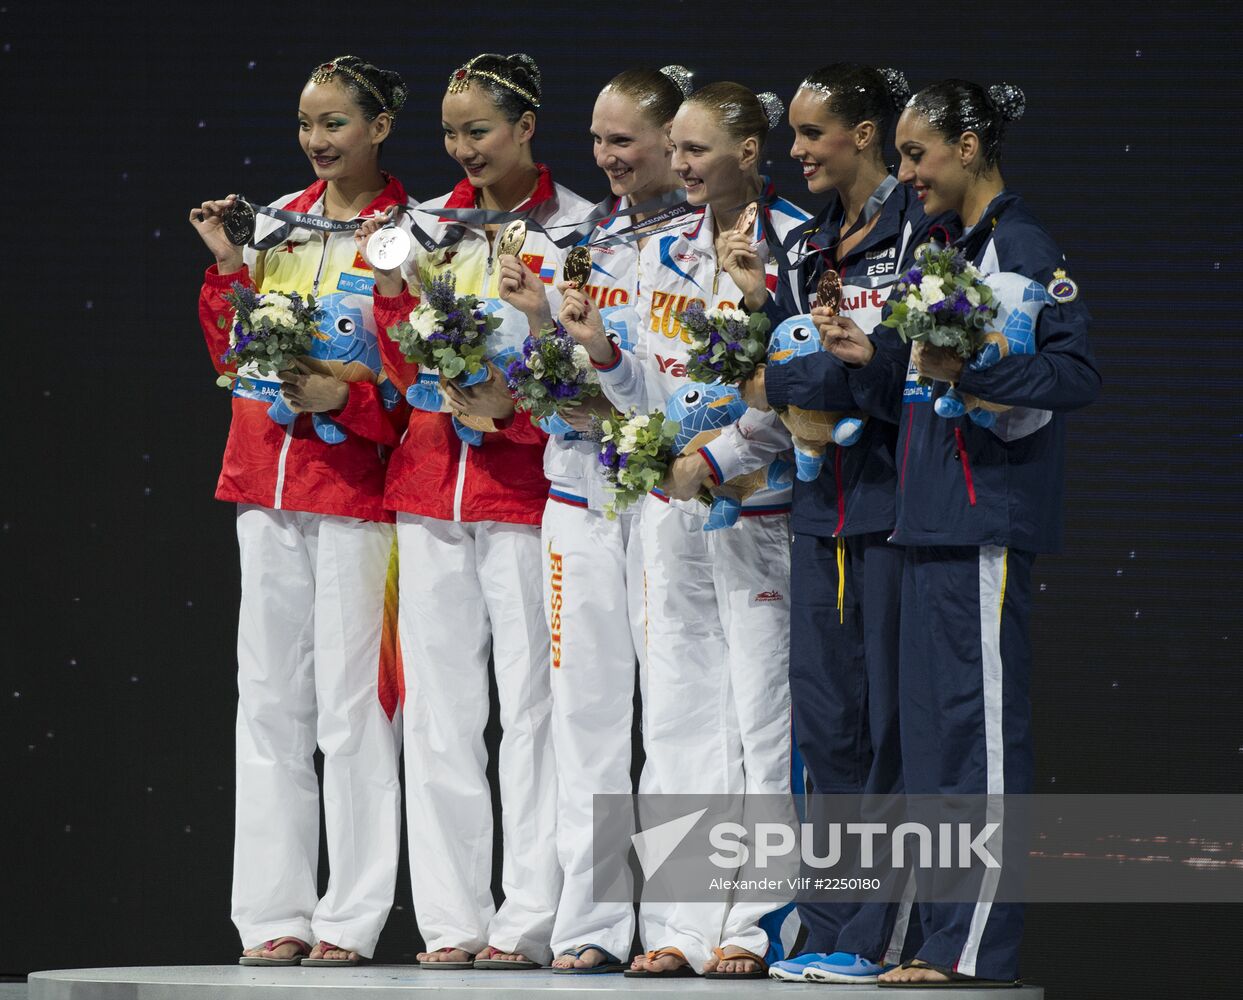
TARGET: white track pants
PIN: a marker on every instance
(716, 706)
(467, 589)
(308, 652)
(593, 592)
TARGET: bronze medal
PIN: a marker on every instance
(577, 267)
(746, 221)
(511, 239)
(829, 291)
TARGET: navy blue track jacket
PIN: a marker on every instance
(958, 483)
(854, 494)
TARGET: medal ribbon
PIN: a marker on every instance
(578, 230)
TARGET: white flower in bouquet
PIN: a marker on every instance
(642, 420)
(737, 315)
(973, 295)
(423, 322)
(582, 360)
(930, 289)
(274, 313)
(536, 364)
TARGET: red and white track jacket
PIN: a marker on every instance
(287, 467)
(433, 472)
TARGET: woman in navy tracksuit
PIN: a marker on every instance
(975, 505)
(845, 576)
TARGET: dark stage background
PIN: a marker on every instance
(120, 579)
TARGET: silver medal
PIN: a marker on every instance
(388, 248)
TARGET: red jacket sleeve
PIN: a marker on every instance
(216, 315)
(520, 429)
(365, 414)
(389, 311)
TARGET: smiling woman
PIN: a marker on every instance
(305, 462)
(469, 509)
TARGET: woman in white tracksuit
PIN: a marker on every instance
(717, 703)
(593, 574)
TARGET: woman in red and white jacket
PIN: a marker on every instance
(468, 518)
(316, 545)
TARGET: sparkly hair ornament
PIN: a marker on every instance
(459, 79)
(349, 66)
(1007, 99)
(953, 107)
(774, 110)
(681, 77)
(899, 86)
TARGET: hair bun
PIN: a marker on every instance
(525, 61)
(1008, 100)
(681, 77)
(898, 85)
(774, 110)
(396, 88)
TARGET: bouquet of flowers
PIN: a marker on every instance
(447, 333)
(635, 453)
(726, 345)
(551, 372)
(944, 301)
(270, 331)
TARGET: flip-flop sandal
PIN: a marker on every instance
(680, 972)
(954, 980)
(326, 963)
(743, 954)
(498, 964)
(272, 946)
(611, 962)
(468, 964)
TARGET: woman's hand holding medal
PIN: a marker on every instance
(739, 260)
(583, 322)
(388, 280)
(842, 337)
(208, 220)
(520, 288)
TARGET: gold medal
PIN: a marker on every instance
(829, 291)
(511, 239)
(746, 221)
(577, 267)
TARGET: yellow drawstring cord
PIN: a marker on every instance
(841, 580)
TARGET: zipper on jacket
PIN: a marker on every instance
(460, 486)
(280, 467)
(319, 271)
(960, 453)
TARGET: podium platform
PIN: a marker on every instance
(379, 982)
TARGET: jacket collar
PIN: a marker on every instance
(464, 192)
(826, 228)
(312, 199)
(973, 240)
(700, 234)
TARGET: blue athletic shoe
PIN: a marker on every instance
(793, 970)
(842, 967)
